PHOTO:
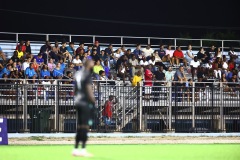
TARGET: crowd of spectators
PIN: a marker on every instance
(55, 61)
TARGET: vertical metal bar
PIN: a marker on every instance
(121, 40)
(212, 124)
(175, 43)
(94, 38)
(140, 106)
(70, 38)
(16, 39)
(123, 108)
(221, 118)
(170, 108)
(193, 105)
(149, 40)
(17, 96)
(222, 46)
(47, 37)
(56, 88)
(25, 108)
(201, 43)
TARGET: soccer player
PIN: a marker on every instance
(84, 103)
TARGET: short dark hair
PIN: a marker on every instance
(101, 72)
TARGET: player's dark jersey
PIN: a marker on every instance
(82, 79)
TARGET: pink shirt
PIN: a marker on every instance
(51, 66)
(169, 52)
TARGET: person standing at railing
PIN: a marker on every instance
(137, 78)
(157, 85)
(84, 103)
(148, 77)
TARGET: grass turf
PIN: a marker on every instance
(125, 152)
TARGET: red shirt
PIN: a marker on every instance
(107, 111)
(23, 48)
(231, 66)
(148, 77)
(178, 54)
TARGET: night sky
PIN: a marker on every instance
(155, 18)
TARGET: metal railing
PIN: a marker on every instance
(201, 107)
(10, 40)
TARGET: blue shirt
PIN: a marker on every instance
(30, 72)
(62, 67)
(137, 52)
(4, 70)
(39, 60)
(57, 73)
(44, 73)
(70, 50)
(106, 70)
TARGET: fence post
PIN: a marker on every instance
(170, 108)
(25, 114)
(221, 119)
(56, 123)
(193, 105)
(17, 96)
(140, 106)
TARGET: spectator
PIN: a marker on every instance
(20, 53)
(108, 110)
(232, 53)
(97, 46)
(137, 78)
(109, 49)
(217, 68)
(62, 65)
(25, 65)
(28, 49)
(46, 47)
(77, 63)
(231, 64)
(144, 62)
(44, 72)
(58, 72)
(218, 53)
(30, 73)
(189, 54)
(106, 68)
(134, 65)
(169, 76)
(179, 75)
(15, 57)
(96, 68)
(102, 76)
(103, 56)
(129, 53)
(148, 77)
(35, 65)
(51, 65)
(71, 49)
(138, 52)
(179, 57)
(158, 76)
(94, 55)
(202, 57)
(64, 54)
(211, 53)
(169, 53)
(5, 70)
(147, 52)
(21, 47)
(194, 65)
(124, 71)
(39, 59)
(225, 65)
(163, 56)
(70, 69)
(2, 56)
(55, 51)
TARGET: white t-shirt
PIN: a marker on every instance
(147, 52)
(169, 52)
(46, 86)
(25, 65)
(225, 65)
(194, 64)
(76, 61)
(144, 63)
(151, 62)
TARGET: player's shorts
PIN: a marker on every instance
(85, 114)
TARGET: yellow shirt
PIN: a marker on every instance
(135, 80)
(96, 69)
(20, 54)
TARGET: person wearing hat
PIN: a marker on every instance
(108, 110)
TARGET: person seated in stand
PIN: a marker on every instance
(123, 72)
(44, 72)
(77, 63)
(147, 52)
(2, 56)
(179, 56)
(102, 76)
(58, 72)
(217, 68)
(134, 65)
(194, 64)
(31, 74)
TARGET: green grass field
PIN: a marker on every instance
(125, 152)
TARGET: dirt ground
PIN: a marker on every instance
(127, 140)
